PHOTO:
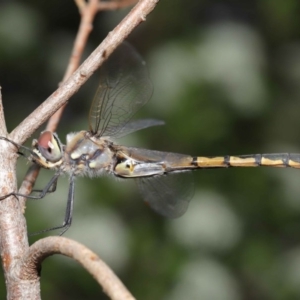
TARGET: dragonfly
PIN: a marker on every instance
(164, 179)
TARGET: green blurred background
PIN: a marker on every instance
(226, 80)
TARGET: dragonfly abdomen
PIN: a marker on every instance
(281, 160)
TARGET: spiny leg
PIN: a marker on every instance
(49, 188)
(70, 205)
(68, 214)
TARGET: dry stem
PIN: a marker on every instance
(31, 264)
(21, 269)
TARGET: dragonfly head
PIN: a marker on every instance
(48, 150)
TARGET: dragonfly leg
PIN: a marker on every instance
(68, 214)
(69, 209)
(49, 188)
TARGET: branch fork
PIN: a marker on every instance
(21, 263)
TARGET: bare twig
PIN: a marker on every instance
(3, 131)
(68, 88)
(13, 232)
(113, 5)
(80, 4)
(31, 264)
(106, 5)
(88, 13)
(28, 184)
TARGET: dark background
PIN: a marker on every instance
(226, 81)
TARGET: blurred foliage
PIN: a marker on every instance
(226, 81)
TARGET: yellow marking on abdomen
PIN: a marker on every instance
(211, 162)
(280, 160)
(274, 163)
(294, 164)
(236, 161)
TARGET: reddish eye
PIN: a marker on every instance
(45, 138)
(49, 146)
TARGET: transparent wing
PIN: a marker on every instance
(124, 88)
(169, 194)
(137, 125)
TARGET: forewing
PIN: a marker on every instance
(137, 125)
(169, 194)
(124, 88)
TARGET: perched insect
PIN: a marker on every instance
(163, 178)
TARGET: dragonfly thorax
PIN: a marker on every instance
(87, 155)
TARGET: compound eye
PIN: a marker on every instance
(49, 146)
